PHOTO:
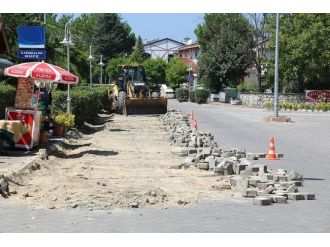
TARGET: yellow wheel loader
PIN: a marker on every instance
(130, 95)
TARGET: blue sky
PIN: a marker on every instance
(153, 26)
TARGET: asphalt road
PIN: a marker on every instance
(305, 144)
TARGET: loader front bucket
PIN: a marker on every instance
(138, 106)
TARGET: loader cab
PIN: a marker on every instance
(132, 74)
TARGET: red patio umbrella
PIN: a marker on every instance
(42, 71)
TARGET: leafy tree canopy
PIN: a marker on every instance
(155, 70)
(111, 36)
(227, 43)
(176, 73)
(304, 51)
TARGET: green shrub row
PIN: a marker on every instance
(182, 94)
(7, 98)
(199, 96)
(86, 102)
(301, 106)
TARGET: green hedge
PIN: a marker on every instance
(201, 96)
(192, 96)
(301, 106)
(7, 98)
(86, 102)
(182, 94)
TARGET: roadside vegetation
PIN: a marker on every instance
(319, 106)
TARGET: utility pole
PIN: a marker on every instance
(276, 65)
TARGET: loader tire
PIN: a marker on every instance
(155, 95)
(121, 102)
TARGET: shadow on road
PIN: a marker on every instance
(117, 130)
(75, 146)
(314, 179)
(10, 152)
(99, 120)
(80, 154)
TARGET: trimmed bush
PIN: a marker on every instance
(7, 98)
(201, 96)
(86, 102)
(182, 94)
(192, 96)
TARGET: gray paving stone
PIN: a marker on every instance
(296, 196)
(309, 196)
(261, 201)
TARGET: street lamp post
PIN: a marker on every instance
(67, 41)
(90, 59)
(276, 66)
(101, 65)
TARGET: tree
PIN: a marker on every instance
(227, 44)
(176, 73)
(111, 36)
(304, 51)
(138, 55)
(155, 70)
(260, 36)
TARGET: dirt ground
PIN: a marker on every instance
(122, 162)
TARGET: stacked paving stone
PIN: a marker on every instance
(255, 181)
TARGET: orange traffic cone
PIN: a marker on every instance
(271, 151)
(195, 124)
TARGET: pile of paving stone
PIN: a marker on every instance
(256, 181)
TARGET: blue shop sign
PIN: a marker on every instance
(31, 37)
(31, 54)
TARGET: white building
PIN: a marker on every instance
(162, 48)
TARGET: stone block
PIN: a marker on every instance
(238, 168)
(262, 168)
(264, 185)
(261, 155)
(251, 156)
(247, 172)
(296, 196)
(294, 176)
(244, 161)
(239, 183)
(279, 199)
(282, 172)
(261, 201)
(254, 181)
(228, 171)
(250, 192)
(279, 178)
(219, 170)
(192, 151)
(211, 164)
(309, 196)
(292, 189)
(208, 158)
(298, 183)
(203, 165)
(270, 177)
(269, 189)
(285, 194)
